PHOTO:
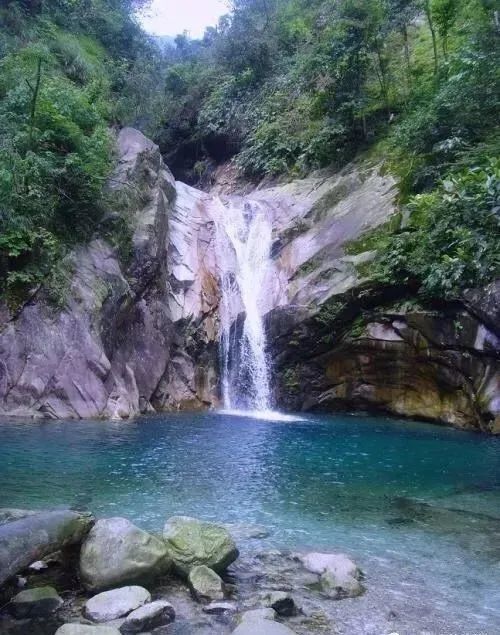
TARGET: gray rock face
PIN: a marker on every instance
(117, 603)
(85, 629)
(33, 537)
(111, 351)
(148, 617)
(205, 584)
(38, 602)
(192, 542)
(117, 552)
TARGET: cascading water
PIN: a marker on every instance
(243, 256)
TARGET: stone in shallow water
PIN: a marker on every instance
(246, 531)
(149, 617)
(339, 575)
(258, 614)
(220, 608)
(283, 603)
(205, 584)
(85, 629)
(192, 542)
(31, 538)
(117, 552)
(262, 627)
(112, 605)
(39, 602)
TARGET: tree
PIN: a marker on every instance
(444, 13)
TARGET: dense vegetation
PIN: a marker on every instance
(280, 87)
(67, 73)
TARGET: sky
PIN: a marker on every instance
(171, 17)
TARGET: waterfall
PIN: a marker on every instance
(243, 257)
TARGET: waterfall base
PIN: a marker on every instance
(263, 415)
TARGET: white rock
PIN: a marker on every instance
(112, 605)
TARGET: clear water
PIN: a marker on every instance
(418, 506)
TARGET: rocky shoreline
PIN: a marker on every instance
(62, 572)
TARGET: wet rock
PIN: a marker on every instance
(148, 617)
(39, 565)
(38, 602)
(220, 608)
(85, 629)
(117, 552)
(339, 575)
(283, 603)
(262, 627)
(205, 584)
(258, 614)
(31, 538)
(192, 542)
(112, 605)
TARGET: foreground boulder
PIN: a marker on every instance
(117, 552)
(192, 542)
(85, 629)
(111, 605)
(205, 584)
(339, 575)
(39, 602)
(31, 538)
(148, 617)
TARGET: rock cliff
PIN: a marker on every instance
(139, 330)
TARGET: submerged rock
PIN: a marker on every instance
(283, 603)
(117, 552)
(38, 602)
(205, 584)
(85, 629)
(220, 608)
(262, 627)
(339, 575)
(31, 538)
(148, 617)
(258, 614)
(192, 542)
(112, 605)
(9, 514)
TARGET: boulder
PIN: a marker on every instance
(192, 542)
(205, 584)
(262, 627)
(283, 603)
(258, 614)
(339, 575)
(31, 538)
(38, 602)
(85, 629)
(111, 605)
(117, 552)
(148, 617)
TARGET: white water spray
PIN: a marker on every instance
(243, 255)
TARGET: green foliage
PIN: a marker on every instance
(65, 75)
(451, 240)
